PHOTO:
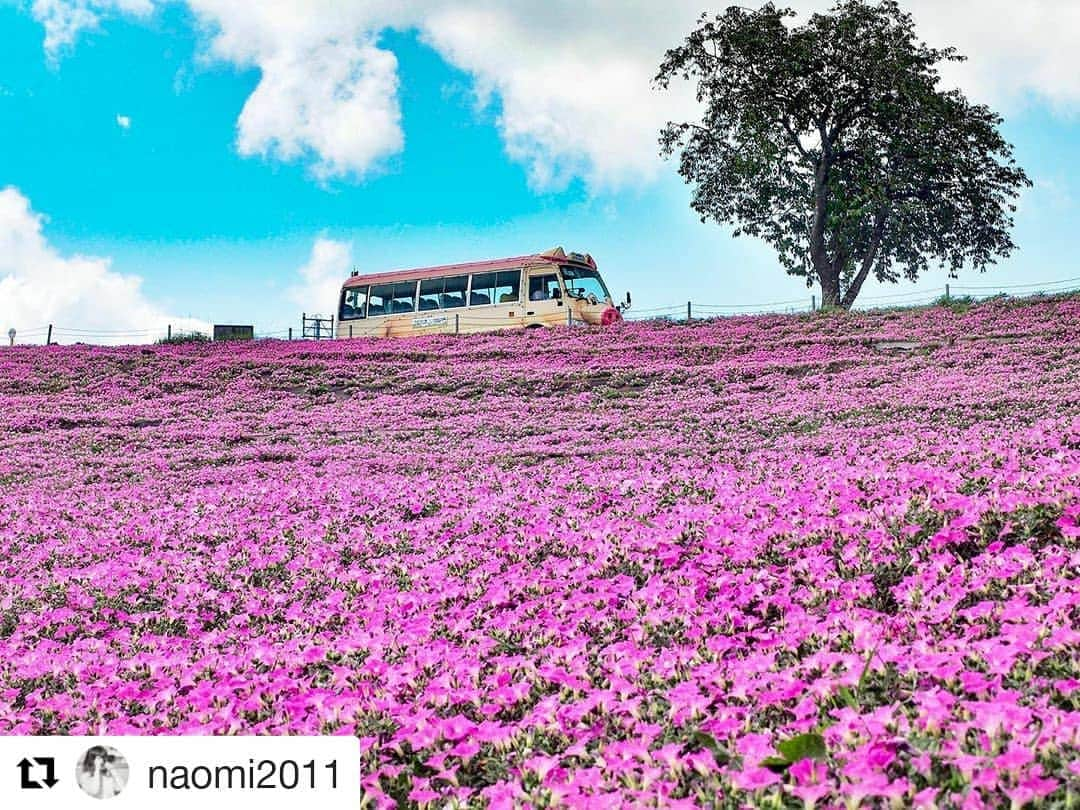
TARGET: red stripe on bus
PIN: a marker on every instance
(511, 263)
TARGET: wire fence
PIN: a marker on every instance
(471, 320)
(916, 298)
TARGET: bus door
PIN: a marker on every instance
(543, 293)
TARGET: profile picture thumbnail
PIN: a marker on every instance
(102, 772)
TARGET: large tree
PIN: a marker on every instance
(834, 143)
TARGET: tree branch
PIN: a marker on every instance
(821, 201)
(786, 121)
(869, 258)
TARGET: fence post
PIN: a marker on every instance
(168, 332)
(688, 312)
(457, 323)
(813, 303)
(569, 316)
(350, 330)
(946, 293)
(333, 334)
(48, 337)
(290, 333)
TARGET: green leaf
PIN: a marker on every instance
(866, 670)
(700, 739)
(775, 764)
(703, 740)
(803, 746)
(848, 698)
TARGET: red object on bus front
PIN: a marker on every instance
(610, 316)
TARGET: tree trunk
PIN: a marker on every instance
(830, 286)
(868, 260)
(828, 275)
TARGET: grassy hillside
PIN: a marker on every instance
(764, 560)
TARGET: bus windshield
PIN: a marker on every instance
(582, 282)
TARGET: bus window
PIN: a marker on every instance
(454, 293)
(543, 288)
(353, 303)
(379, 299)
(429, 294)
(404, 297)
(582, 282)
(443, 293)
(496, 288)
(507, 286)
(482, 284)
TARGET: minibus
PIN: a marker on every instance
(553, 288)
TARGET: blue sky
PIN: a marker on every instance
(128, 144)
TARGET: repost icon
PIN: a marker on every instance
(38, 773)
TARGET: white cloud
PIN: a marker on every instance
(336, 100)
(123, 121)
(572, 81)
(572, 78)
(320, 279)
(1016, 51)
(327, 91)
(39, 286)
(64, 20)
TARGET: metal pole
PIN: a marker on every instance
(946, 292)
(290, 333)
(48, 338)
(350, 330)
(332, 327)
(569, 316)
(303, 324)
(688, 312)
(813, 303)
(168, 332)
(457, 323)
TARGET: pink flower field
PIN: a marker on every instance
(778, 561)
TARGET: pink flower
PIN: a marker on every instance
(595, 565)
(456, 727)
(466, 749)
(1031, 789)
(810, 794)
(1014, 758)
(926, 799)
(423, 795)
(754, 779)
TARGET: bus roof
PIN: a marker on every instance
(509, 263)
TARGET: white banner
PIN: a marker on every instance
(429, 320)
(209, 773)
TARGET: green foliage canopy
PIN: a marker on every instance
(832, 141)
